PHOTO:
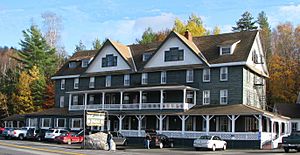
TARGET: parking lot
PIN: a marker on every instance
(11, 147)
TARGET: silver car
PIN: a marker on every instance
(210, 142)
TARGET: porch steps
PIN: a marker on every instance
(267, 146)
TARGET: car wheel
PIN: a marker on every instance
(298, 150)
(214, 147)
(39, 139)
(197, 148)
(21, 137)
(171, 145)
(125, 143)
(224, 147)
(286, 150)
(161, 145)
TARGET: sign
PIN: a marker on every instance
(95, 118)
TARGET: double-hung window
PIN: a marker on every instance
(85, 63)
(225, 50)
(76, 123)
(206, 75)
(126, 80)
(76, 83)
(60, 123)
(91, 99)
(109, 61)
(75, 100)
(189, 76)
(224, 96)
(61, 101)
(62, 84)
(163, 77)
(108, 81)
(92, 82)
(223, 73)
(174, 54)
(46, 122)
(144, 78)
(206, 97)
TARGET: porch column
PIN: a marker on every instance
(233, 118)
(160, 118)
(70, 101)
(194, 123)
(103, 99)
(161, 98)
(139, 118)
(207, 118)
(279, 128)
(18, 124)
(120, 117)
(102, 128)
(85, 100)
(195, 97)
(121, 100)
(268, 125)
(141, 99)
(184, 99)
(183, 118)
(259, 118)
(272, 130)
(5, 124)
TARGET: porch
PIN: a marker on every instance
(155, 97)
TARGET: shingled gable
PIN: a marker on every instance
(191, 46)
(124, 52)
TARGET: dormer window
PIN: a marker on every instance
(227, 47)
(225, 50)
(109, 61)
(85, 63)
(174, 54)
(72, 64)
(146, 56)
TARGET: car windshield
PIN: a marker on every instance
(50, 131)
(205, 137)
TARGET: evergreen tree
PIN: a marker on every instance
(265, 32)
(97, 44)
(245, 23)
(148, 37)
(37, 86)
(36, 52)
(80, 46)
(3, 106)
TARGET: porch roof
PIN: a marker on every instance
(140, 88)
(15, 117)
(233, 109)
(52, 112)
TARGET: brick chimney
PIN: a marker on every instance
(188, 35)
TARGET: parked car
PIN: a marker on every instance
(119, 139)
(20, 133)
(40, 134)
(210, 142)
(7, 133)
(69, 137)
(1, 130)
(30, 135)
(159, 140)
(291, 142)
(52, 133)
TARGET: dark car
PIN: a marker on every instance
(40, 134)
(159, 140)
(7, 132)
(291, 142)
(30, 135)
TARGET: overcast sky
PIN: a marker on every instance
(125, 21)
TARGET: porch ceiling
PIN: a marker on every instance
(140, 88)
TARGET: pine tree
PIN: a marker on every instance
(97, 44)
(245, 23)
(148, 37)
(264, 26)
(37, 86)
(80, 46)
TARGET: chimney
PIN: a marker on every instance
(188, 35)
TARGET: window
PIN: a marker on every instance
(126, 99)
(85, 63)
(76, 123)
(61, 101)
(223, 73)
(206, 75)
(32, 122)
(60, 123)
(255, 58)
(294, 126)
(190, 75)
(46, 122)
(223, 124)
(108, 81)
(109, 61)
(76, 83)
(174, 54)
(223, 96)
(72, 64)
(62, 84)
(144, 78)
(163, 77)
(91, 99)
(92, 82)
(144, 98)
(206, 97)
(189, 96)
(225, 50)
(75, 100)
(146, 56)
(126, 80)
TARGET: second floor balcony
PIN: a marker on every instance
(141, 98)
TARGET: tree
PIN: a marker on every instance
(148, 37)
(80, 46)
(49, 96)
(97, 44)
(3, 106)
(37, 86)
(52, 25)
(216, 30)
(245, 23)
(194, 25)
(265, 32)
(36, 52)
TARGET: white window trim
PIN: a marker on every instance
(72, 123)
(203, 75)
(144, 78)
(75, 96)
(108, 81)
(76, 81)
(203, 98)
(223, 96)
(187, 76)
(226, 71)
(163, 77)
(127, 78)
(82, 64)
(46, 127)
(61, 101)
(65, 123)
(62, 84)
(230, 50)
(92, 82)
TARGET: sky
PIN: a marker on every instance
(125, 21)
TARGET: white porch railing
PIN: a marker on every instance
(130, 106)
(76, 107)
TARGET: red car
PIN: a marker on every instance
(69, 137)
(1, 130)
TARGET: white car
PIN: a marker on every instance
(209, 142)
(20, 133)
(52, 133)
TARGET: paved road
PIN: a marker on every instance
(15, 147)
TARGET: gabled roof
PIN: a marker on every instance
(288, 109)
